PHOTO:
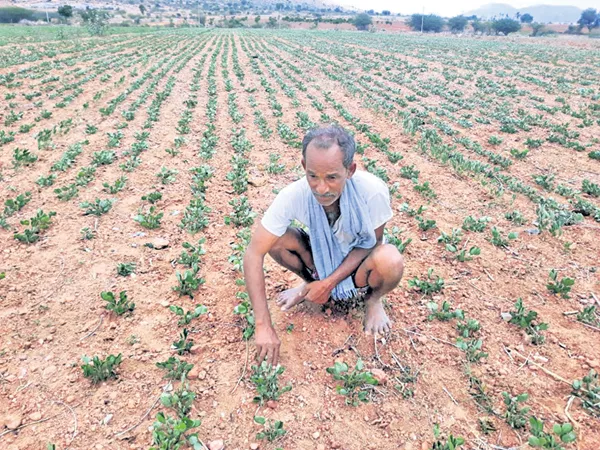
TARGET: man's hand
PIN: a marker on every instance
(267, 344)
(318, 291)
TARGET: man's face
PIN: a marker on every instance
(326, 173)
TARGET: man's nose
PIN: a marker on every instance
(322, 188)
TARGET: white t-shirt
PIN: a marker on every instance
(292, 204)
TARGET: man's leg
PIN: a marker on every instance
(292, 251)
(381, 271)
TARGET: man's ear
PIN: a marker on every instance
(351, 169)
(303, 164)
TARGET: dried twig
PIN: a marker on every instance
(489, 275)
(146, 414)
(569, 403)
(74, 417)
(377, 352)
(33, 423)
(343, 347)
(94, 330)
(590, 326)
(508, 353)
(243, 371)
(449, 395)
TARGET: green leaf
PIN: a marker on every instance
(260, 420)
(568, 437)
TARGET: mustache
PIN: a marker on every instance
(323, 196)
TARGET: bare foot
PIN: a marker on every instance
(376, 320)
(290, 297)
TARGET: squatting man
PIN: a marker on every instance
(342, 256)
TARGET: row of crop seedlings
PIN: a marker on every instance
(86, 175)
(554, 214)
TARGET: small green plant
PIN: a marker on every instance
(545, 181)
(451, 240)
(183, 345)
(451, 443)
(266, 380)
(187, 282)
(499, 241)
(355, 386)
(169, 433)
(590, 188)
(589, 316)
(472, 349)
(443, 313)
(43, 181)
(515, 217)
(244, 309)
(167, 176)
(67, 193)
(588, 391)
(188, 316)
(275, 167)
(101, 369)
(23, 157)
(409, 172)
(519, 154)
(242, 216)
(393, 237)
(429, 285)
(562, 287)
(425, 190)
(425, 225)
(12, 206)
(125, 269)
(118, 185)
(172, 151)
(91, 129)
(38, 223)
(468, 327)
(152, 197)
(180, 400)
(148, 219)
(177, 369)
(495, 140)
(526, 320)
(87, 234)
(97, 207)
(465, 255)
(192, 254)
(541, 439)
(515, 415)
(85, 176)
(119, 306)
(476, 225)
(273, 430)
(103, 158)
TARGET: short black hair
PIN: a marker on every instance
(325, 137)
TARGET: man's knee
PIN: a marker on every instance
(291, 241)
(388, 261)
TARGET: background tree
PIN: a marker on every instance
(13, 14)
(142, 10)
(526, 18)
(430, 22)
(385, 12)
(506, 26)
(257, 20)
(589, 18)
(96, 20)
(65, 12)
(457, 24)
(538, 29)
(363, 21)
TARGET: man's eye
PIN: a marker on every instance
(332, 177)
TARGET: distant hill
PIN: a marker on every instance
(540, 13)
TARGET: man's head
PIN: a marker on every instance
(327, 158)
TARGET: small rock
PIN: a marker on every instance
(131, 404)
(165, 303)
(507, 317)
(593, 363)
(160, 243)
(216, 445)
(195, 350)
(49, 371)
(106, 419)
(12, 421)
(193, 374)
(70, 399)
(316, 435)
(254, 446)
(272, 404)
(380, 376)
(202, 375)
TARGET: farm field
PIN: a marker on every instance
(134, 167)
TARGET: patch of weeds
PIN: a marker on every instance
(562, 287)
(526, 320)
(119, 306)
(98, 370)
(177, 369)
(427, 286)
(125, 269)
(355, 383)
(266, 379)
(188, 316)
(479, 394)
(515, 416)
(272, 431)
(588, 391)
(519, 154)
(97, 207)
(406, 380)
(183, 345)
(540, 439)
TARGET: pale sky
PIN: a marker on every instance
(451, 8)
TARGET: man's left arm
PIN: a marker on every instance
(348, 266)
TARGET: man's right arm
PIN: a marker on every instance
(267, 342)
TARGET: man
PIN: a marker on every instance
(344, 256)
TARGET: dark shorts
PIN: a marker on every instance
(362, 291)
